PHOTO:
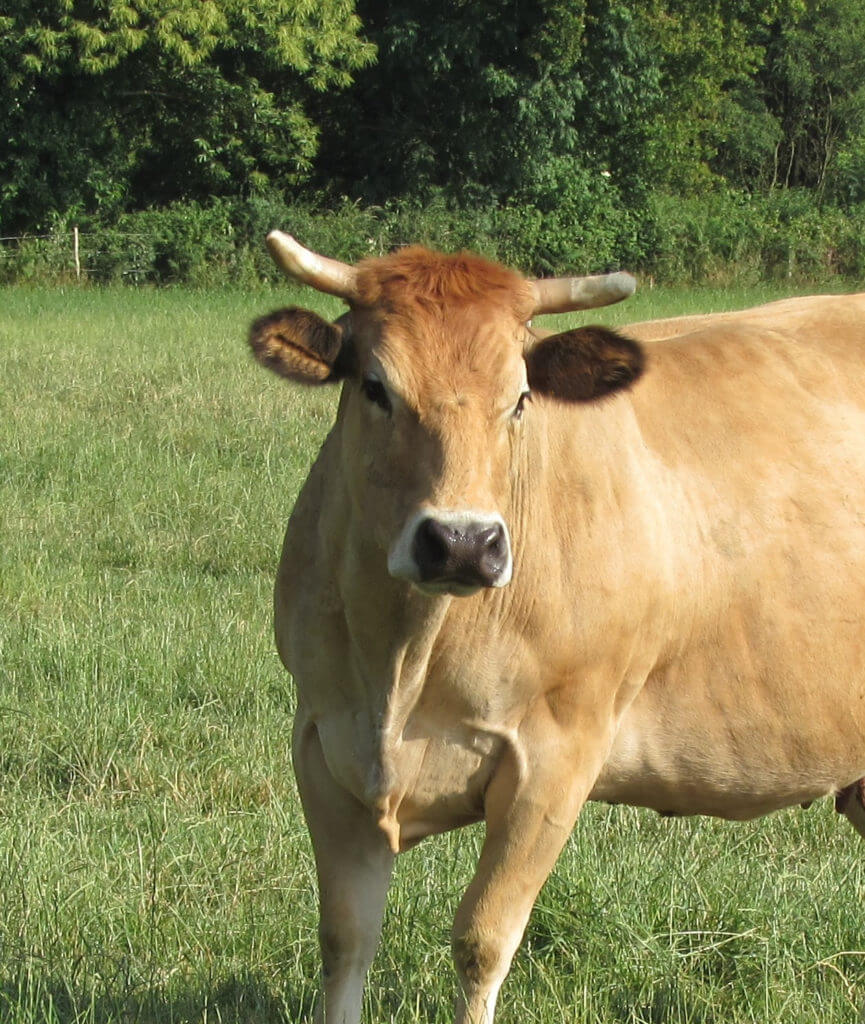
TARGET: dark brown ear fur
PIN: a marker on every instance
(584, 364)
(300, 345)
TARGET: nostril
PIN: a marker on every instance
(432, 544)
(491, 541)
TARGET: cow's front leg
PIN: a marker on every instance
(353, 862)
(531, 806)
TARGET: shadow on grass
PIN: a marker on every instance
(665, 1004)
(239, 999)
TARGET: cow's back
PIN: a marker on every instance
(757, 424)
(783, 314)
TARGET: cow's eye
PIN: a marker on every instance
(374, 390)
(518, 408)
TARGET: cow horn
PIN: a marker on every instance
(301, 264)
(566, 294)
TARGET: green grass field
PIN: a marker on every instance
(154, 865)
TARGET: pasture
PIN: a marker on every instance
(154, 865)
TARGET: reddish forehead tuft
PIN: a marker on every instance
(416, 279)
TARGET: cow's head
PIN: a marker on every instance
(439, 365)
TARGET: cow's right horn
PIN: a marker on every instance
(302, 264)
(567, 294)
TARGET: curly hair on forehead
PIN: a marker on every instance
(421, 277)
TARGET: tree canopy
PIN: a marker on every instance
(562, 115)
(112, 104)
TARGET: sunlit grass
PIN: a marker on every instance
(154, 866)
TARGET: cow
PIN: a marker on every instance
(526, 572)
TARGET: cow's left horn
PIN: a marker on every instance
(302, 264)
(566, 294)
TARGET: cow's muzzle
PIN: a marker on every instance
(453, 552)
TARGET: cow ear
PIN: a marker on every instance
(300, 345)
(584, 364)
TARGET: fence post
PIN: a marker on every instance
(75, 248)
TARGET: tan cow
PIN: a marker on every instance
(523, 574)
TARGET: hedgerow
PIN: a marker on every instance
(716, 238)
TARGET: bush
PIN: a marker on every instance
(689, 240)
(573, 221)
(48, 259)
(182, 242)
(725, 237)
(576, 225)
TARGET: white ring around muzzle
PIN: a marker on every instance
(401, 561)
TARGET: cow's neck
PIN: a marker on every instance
(396, 634)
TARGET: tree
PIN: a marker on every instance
(668, 89)
(109, 104)
(814, 85)
(511, 102)
(472, 97)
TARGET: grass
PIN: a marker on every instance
(154, 865)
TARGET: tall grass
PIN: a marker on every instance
(154, 865)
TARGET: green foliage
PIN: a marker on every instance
(468, 98)
(848, 172)
(488, 104)
(555, 135)
(719, 237)
(783, 236)
(120, 104)
(800, 121)
(706, 50)
(815, 84)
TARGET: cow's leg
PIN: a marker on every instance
(531, 807)
(851, 803)
(353, 862)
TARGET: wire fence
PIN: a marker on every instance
(209, 247)
(78, 253)
(174, 253)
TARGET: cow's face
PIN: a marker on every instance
(430, 422)
(438, 376)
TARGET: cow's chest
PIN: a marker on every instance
(417, 779)
(417, 748)
(413, 702)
